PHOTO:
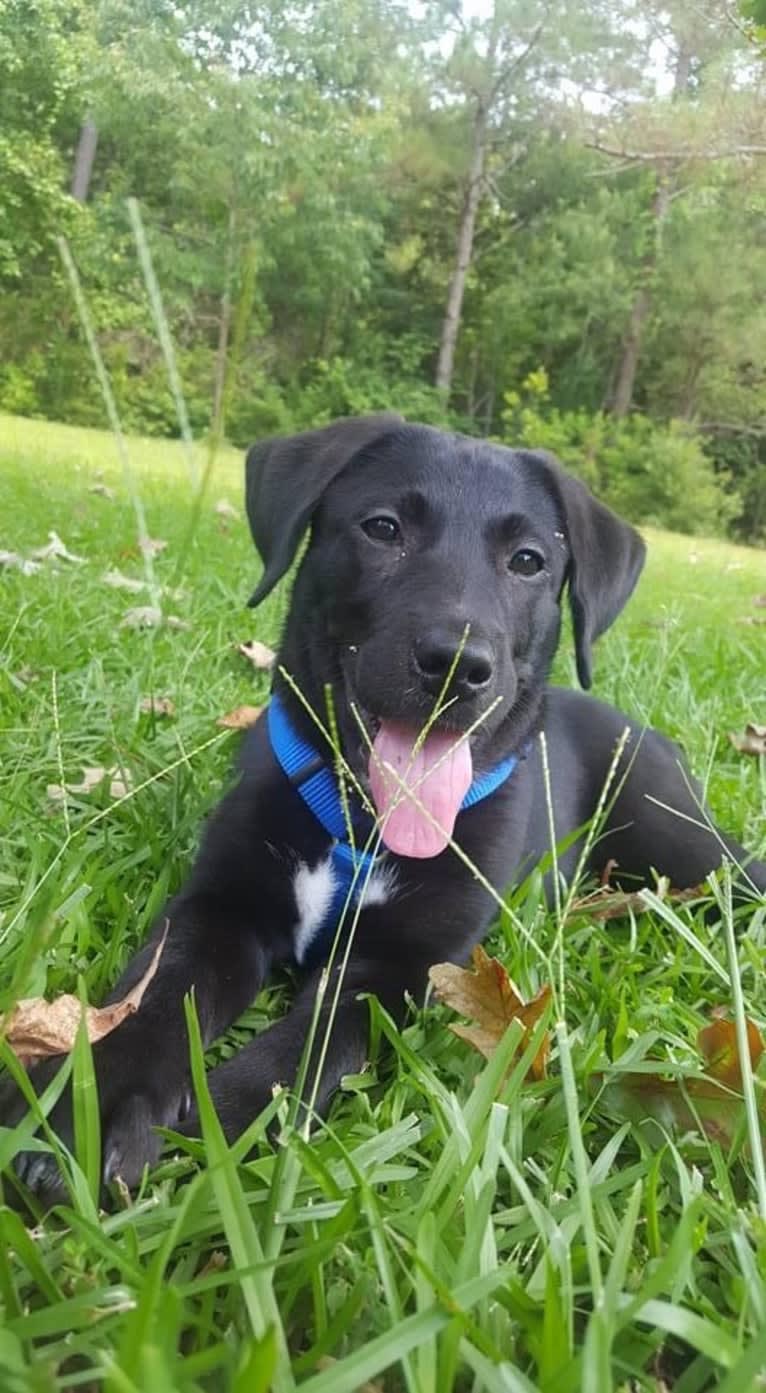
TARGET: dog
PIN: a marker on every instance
(410, 693)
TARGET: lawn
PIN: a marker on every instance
(454, 1225)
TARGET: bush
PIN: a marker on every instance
(648, 472)
(741, 458)
(19, 391)
(257, 409)
(341, 387)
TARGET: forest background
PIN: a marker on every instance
(543, 222)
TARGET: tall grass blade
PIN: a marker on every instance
(129, 474)
(164, 336)
(239, 1227)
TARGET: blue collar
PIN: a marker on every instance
(317, 784)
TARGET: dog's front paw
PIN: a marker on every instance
(132, 1104)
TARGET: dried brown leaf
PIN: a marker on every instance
(711, 1101)
(23, 677)
(488, 997)
(752, 741)
(142, 617)
(118, 581)
(151, 617)
(606, 874)
(240, 718)
(225, 509)
(259, 654)
(151, 546)
(604, 903)
(37, 1028)
(12, 560)
(93, 775)
(102, 489)
(719, 1047)
(157, 706)
(55, 550)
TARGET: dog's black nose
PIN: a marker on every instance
(470, 663)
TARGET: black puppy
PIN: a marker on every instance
(424, 618)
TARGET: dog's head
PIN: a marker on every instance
(430, 592)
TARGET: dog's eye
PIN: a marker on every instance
(382, 528)
(526, 562)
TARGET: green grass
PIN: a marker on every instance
(446, 1229)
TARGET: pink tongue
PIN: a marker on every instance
(419, 817)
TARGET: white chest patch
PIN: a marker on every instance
(381, 887)
(315, 888)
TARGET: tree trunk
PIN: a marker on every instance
(451, 324)
(622, 396)
(224, 329)
(688, 403)
(83, 160)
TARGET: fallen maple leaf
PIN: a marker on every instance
(240, 718)
(489, 997)
(93, 776)
(752, 742)
(157, 706)
(259, 654)
(719, 1047)
(711, 1101)
(37, 1028)
(55, 550)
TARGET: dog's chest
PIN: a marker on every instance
(324, 891)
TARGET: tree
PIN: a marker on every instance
(519, 58)
(43, 61)
(701, 122)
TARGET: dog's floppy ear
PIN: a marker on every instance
(285, 479)
(606, 558)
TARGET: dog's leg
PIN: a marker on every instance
(142, 1067)
(659, 822)
(242, 1086)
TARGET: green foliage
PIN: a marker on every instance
(42, 75)
(345, 388)
(281, 158)
(650, 472)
